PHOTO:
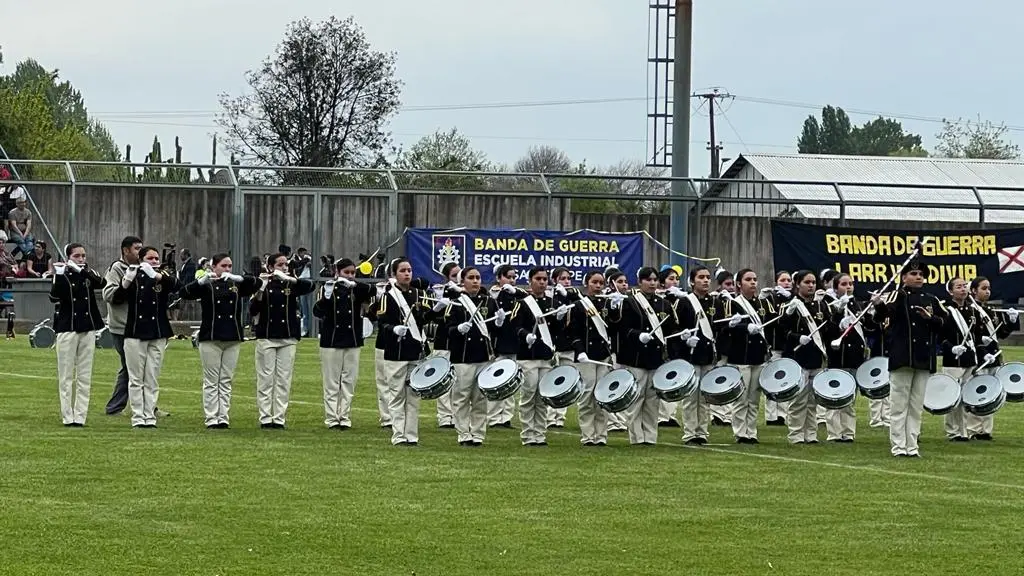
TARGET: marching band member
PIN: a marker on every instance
(807, 329)
(747, 350)
(506, 344)
(618, 290)
(278, 328)
(77, 318)
(993, 326)
(590, 338)
(643, 320)
(339, 303)
(470, 346)
(841, 425)
(726, 286)
(878, 336)
(221, 294)
(535, 355)
(402, 311)
(147, 289)
(959, 354)
(775, 412)
(562, 296)
(669, 282)
(697, 312)
(829, 295)
(915, 321)
(445, 411)
(379, 377)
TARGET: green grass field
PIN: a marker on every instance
(107, 499)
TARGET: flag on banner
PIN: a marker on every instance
(1011, 259)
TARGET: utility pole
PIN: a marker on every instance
(682, 52)
(713, 146)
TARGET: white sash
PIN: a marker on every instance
(857, 326)
(645, 307)
(474, 317)
(811, 325)
(986, 319)
(961, 324)
(595, 318)
(540, 323)
(403, 307)
(702, 318)
(749, 309)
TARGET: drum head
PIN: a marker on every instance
(874, 373)
(834, 385)
(430, 372)
(941, 394)
(673, 374)
(614, 385)
(720, 380)
(1011, 376)
(982, 390)
(558, 381)
(780, 375)
(497, 374)
(42, 337)
(367, 327)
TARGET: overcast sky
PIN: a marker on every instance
(156, 68)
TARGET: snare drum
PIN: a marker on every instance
(367, 327)
(873, 378)
(835, 389)
(500, 379)
(561, 387)
(722, 386)
(616, 391)
(42, 336)
(941, 394)
(983, 395)
(433, 378)
(781, 379)
(1011, 376)
(675, 380)
(104, 339)
(195, 338)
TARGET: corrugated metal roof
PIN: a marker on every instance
(891, 170)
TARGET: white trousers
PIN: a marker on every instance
(469, 405)
(696, 410)
(383, 394)
(842, 424)
(219, 361)
(275, 360)
(803, 411)
(744, 412)
(339, 368)
(556, 416)
(667, 411)
(908, 387)
(143, 358)
(532, 409)
(445, 409)
(880, 410)
(955, 422)
(642, 416)
(74, 374)
(593, 419)
(617, 420)
(774, 410)
(403, 403)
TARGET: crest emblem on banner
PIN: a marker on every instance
(448, 249)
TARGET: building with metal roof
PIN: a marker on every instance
(879, 181)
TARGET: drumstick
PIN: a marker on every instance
(730, 318)
(598, 362)
(986, 363)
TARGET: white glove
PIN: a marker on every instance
(841, 301)
(754, 328)
(688, 332)
(263, 284)
(645, 338)
(346, 282)
(58, 269)
(990, 358)
(442, 304)
(232, 277)
(205, 279)
(819, 295)
(560, 290)
(1012, 315)
(735, 320)
(959, 350)
(500, 317)
(766, 291)
(790, 310)
(464, 328)
(400, 330)
(129, 276)
(783, 292)
(675, 291)
(283, 277)
(328, 288)
(805, 340)
(986, 340)
(148, 270)
(454, 287)
(562, 311)
(582, 357)
(531, 339)
(616, 300)
(845, 322)
(74, 267)
(692, 341)
(510, 288)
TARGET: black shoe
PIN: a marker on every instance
(447, 426)
(476, 443)
(695, 442)
(266, 426)
(742, 440)
(780, 421)
(69, 424)
(465, 443)
(275, 425)
(959, 439)
(600, 443)
(506, 424)
(588, 444)
(716, 421)
(815, 441)
(670, 423)
(986, 437)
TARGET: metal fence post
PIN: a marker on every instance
(72, 214)
(547, 213)
(237, 218)
(394, 224)
(981, 206)
(842, 204)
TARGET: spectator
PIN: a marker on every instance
(19, 222)
(39, 262)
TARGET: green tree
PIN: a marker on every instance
(885, 137)
(978, 139)
(442, 151)
(834, 134)
(28, 130)
(632, 182)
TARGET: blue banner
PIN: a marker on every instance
(579, 251)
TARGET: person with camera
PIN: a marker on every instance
(299, 266)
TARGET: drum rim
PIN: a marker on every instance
(992, 377)
(631, 384)
(955, 385)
